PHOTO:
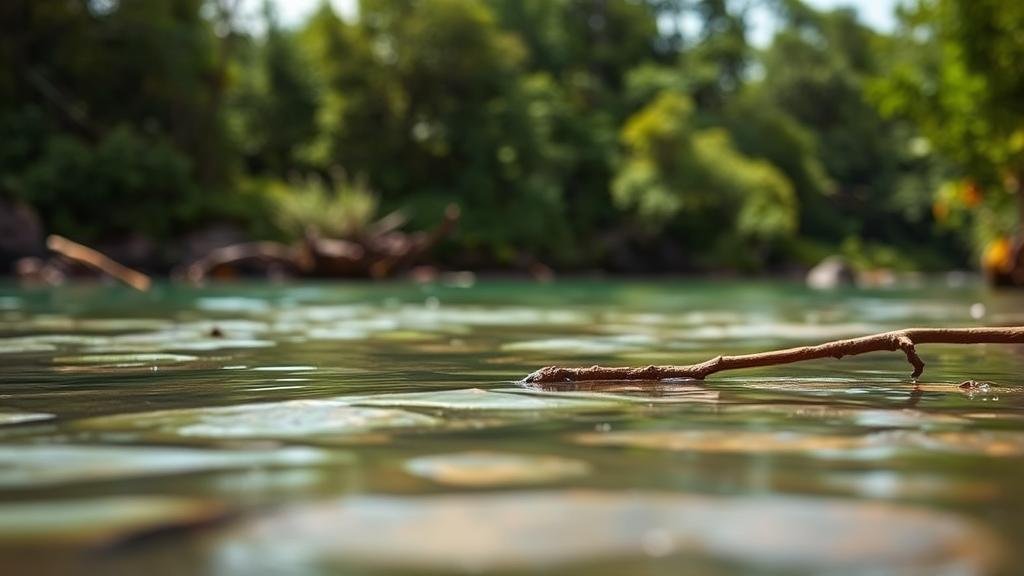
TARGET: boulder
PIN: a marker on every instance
(830, 273)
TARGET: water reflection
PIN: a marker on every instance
(382, 427)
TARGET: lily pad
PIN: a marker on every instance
(545, 530)
(282, 420)
(97, 521)
(30, 466)
(479, 469)
(477, 399)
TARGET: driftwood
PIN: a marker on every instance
(904, 340)
(222, 261)
(398, 250)
(378, 253)
(94, 260)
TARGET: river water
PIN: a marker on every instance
(380, 429)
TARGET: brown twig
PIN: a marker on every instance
(904, 340)
(84, 255)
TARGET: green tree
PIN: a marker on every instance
(817, 71)
(112, 105)
(692, 183)
(761, 129)
(957, 76)
(275, 102)
(121, 184)
(588, 49)
(430, 101)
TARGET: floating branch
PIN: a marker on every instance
(91, 258)
(903, 340)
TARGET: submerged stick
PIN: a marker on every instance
(904, 340)
(97, 261)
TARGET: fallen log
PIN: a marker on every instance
(228, 257)
(95, 260)
(378, 253)
(904, 340)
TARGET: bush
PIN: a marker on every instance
(342, 209)
(123, 183)
(694, 185)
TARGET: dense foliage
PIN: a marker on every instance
(625, 134)
(957, 74)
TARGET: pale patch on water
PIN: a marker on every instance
(920, 486)
(14, 417)
(578, 345)
(778, 330)
(557, 529)
(125, 359)
(293, 419)
(232, 304)
(477, 399)
(24, 466)
(26, 526)
(666, 393)
(871, 445)
(483, 468)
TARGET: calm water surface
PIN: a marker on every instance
(379, 428)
